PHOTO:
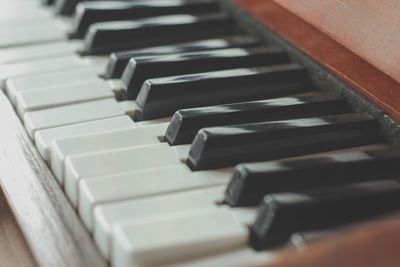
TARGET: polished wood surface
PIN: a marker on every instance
(375, 84)
(51, 227)
(14, 250)
(369, 28)
(372, 245)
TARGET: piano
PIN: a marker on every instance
(188, 133)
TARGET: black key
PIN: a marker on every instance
(91, 12)
(119, 60)
(230, 145)
(47, 2)
(161, 97)
(281, 215)
(105, 37)
(252, 181)
(303, 239)
(65, 7)
(185, 123)
(141, 69)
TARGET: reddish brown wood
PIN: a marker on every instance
(378, 86)
(369, 28)
(373, 245)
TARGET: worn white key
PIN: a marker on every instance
(44, 138)
(238, 257)
(115, 139)
(117, 161)
(49, 80)
(63, 95)
(40, 66)
(138, 136)
(38, 51)
(146, 183)
(107, 215)
(173, 239)
(71, 114)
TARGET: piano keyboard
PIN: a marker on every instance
(181, 139)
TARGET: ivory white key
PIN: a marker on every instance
(146, 183)
(176, 238)
(40, 66)
(44, 138)
(49, 80)
(138, 136)
(37, 51)
(158, 206)
(117, 161)
(63, 95)
(241, 257)
(71, 114)
(31, 32)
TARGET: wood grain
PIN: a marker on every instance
(375, 84)
(369, 28)
(372, 245)
(14, 250)
(50, 225)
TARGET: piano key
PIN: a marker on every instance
(33, 31)
(141, 69)
(109, 214)
(62, 148)
(254, 180)
(40, 66)
(143, 184)
(44, 138)
(65, 7)
(117, 161)
(106, 37)
(187, 122)
(49, 80)
(71, 114)
(88, 13)
(63, 95)
(238, 257)
(278, 215)
(217, 147)
(37, 51)
(303, 239)
(183, 236)
(119, 60)
(161, 97)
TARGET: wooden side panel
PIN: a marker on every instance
(50, 225)
(13, 248)
(378, 86)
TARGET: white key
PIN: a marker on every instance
(44, 138)
(30, 32)
(40, 66)
(117, 161)
(107, 215)
(172, 239)
(146, 183)
(241, 257)
(71, 114)
(62, 95)
(115, 139)
(38, 51)
(48, 80)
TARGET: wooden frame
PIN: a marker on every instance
(380, 88)
(50, 225)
